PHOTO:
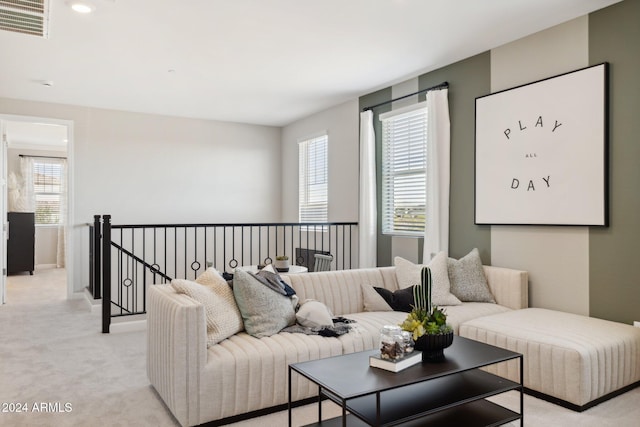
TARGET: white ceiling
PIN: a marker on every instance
(266, 62)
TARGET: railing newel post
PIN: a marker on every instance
(106, 273)
(97, 258)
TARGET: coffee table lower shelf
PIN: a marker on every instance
(479, 413)
(451, 393)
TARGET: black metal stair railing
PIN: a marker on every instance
(134, 257)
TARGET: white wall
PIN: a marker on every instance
(557, 258)
(143, 168)
(342, 126)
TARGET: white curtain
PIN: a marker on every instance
(367, 221)
(436, 231)
(27, 197)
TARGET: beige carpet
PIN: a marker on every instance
(54, 359)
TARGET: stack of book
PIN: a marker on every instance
(395, 365)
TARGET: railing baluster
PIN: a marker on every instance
(136, 262)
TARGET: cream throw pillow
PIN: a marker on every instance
(212, 279)
(373, 301)
(408, 274)
(221, 320)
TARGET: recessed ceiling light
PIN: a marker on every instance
(81, 6)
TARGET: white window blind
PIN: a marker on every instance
(313, 179)
(48, 189)
(404, 148)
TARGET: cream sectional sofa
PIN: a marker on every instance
(243, 374)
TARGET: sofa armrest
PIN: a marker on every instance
(509, 287)
(176, 350)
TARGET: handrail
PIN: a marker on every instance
(152, 268)
(240, 224)
(131, 257)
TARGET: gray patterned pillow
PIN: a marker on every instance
(467, 278)
(264, 311)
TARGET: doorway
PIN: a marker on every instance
(37, 178)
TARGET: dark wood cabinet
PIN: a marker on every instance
(21, 243)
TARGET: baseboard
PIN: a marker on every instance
(77, 295)
(260, 412)
(95, 305)
(580, 408)
(129, 326)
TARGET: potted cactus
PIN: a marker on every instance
(428, 323)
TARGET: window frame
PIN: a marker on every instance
(309, 211)
(401, 177)
(38, 170)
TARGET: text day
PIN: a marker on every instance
(515, 183)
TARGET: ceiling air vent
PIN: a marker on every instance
(25, 16)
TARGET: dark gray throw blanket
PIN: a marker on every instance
(340, 327)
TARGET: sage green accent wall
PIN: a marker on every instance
(556, 257)
(467, 79)
(614, 291)
(383, 241)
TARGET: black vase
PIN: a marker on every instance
(432, 346)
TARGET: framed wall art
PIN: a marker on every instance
(541, 152)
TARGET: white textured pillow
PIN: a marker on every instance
(212, 279)
(373, 301)
(314, 314)
(264, 311)
(221, 319)
(408, 274)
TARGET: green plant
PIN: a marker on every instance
(425, 318)
(282, 258)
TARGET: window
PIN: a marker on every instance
(313, 179)
(404, 148)
(48, 189)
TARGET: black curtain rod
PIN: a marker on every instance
(42, 157)
(443, 85)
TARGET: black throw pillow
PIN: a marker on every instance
(400, 300)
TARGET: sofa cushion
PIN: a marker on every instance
(243, 373)
(458, 314)
(340, 290)
(264, 311)
(373, 301)
(366, 329)
(222, 318)
(408, 274)
(468, 281)
(314, 314)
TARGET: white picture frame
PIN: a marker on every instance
(541, 152)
